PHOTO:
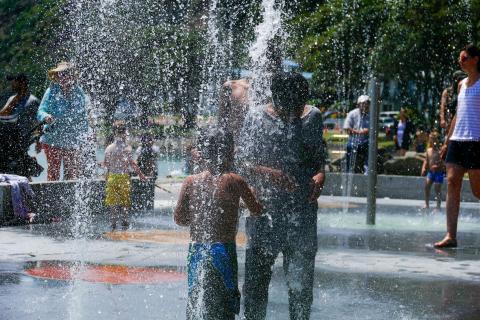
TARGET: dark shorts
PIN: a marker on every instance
(435, 177)
(464, 153)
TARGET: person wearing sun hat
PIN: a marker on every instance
(63, 110)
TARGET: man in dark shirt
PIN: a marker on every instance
(281, 155)
(17, 119)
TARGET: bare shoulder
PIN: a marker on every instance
(235, 178)
(201, 177)
(128, 149)
(110, 148)
(230, 176)
(193, 178)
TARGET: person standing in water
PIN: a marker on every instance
(118, 161)
(462, 145)
(434, 170)
(357, 125)
(281, 155)
(209, 204)
(64, 111)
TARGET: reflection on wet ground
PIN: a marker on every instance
(362, 272)
(161, 236)
(113, 274)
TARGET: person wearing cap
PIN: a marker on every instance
(63, 110)
(448, 103)
(357, 126)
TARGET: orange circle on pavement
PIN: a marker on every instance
(161, 236)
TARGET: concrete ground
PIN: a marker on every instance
(362, 272)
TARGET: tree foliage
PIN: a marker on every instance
(414, 42)
(161, 53)
(27, 30)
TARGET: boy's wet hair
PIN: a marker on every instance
(216, 148)
(434, 137)
(290, 91)
(119, 129)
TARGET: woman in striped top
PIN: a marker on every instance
(462, 146)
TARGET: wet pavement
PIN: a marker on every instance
(387, 271)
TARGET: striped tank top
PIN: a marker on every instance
(467, 126)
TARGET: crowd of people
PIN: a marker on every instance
(59, 125)
(274, 161)
(60, 117)
(456, 156)
(269, 161)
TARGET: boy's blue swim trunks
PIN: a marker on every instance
(436, 177)
(212, 281)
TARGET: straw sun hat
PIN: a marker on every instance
(62, 67)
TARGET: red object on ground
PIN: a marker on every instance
(112, 274)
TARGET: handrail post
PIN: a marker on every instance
(372, 152)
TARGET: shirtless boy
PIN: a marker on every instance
(118, 161)
(208, 204)
(434, 168)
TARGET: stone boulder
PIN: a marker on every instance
(408, 165)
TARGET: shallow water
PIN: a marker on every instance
(362, 272)
(165, 165)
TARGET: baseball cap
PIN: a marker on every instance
(363, 98)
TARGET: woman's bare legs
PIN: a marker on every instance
(454, 187)
(474, 176)
(70, 165)
(54, 160)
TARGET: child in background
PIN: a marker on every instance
(434, 168)
(118, 161)
(421, 140)
(209, 203)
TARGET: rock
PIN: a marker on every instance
(408, 165)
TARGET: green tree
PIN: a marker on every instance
(414, 42)
(27, 35)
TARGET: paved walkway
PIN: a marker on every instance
(362, 272)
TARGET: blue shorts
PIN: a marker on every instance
(212, 281)
(436, 177)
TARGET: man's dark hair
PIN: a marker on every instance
(20, 77)
(473, 51)
(216, 148)
(290, 91)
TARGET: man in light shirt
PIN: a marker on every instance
(357, 126)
